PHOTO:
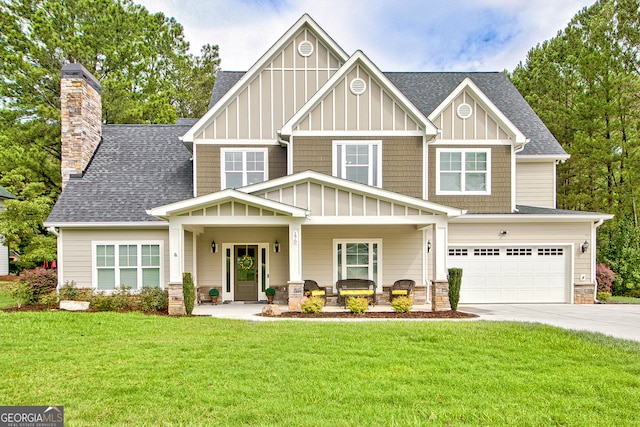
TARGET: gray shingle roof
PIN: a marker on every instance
(135, 168)
(427, 91)
(4, 194)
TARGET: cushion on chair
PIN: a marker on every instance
(317, 293)
(399, 292)
(356, 292)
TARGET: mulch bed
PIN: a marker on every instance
(449, 314)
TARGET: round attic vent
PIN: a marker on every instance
(305, 48)
(357, 86)
(464, 111)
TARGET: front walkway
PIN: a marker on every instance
(617, 320)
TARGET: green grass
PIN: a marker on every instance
(5, 295)
(133, 369)
(623, 300)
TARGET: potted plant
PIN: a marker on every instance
(270, 293)
(213, 293)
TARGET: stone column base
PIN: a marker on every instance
(296, 291)
(420, 294)
(176, 299)
(440, 295)
(584, 293)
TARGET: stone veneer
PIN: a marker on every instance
(80, 119)
(440, 295)
(583, 293)
(176, 299)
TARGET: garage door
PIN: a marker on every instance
(532, 274)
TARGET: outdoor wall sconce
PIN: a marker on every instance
(584, 247)
(214, 247)
(276, 247)
(428, 245)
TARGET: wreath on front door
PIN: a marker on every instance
(246, 262)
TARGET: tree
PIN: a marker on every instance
(141, 60)
(584, 84)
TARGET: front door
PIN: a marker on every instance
(245, 285)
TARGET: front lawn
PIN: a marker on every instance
(133, 369)
(5, 295)
(623, 300)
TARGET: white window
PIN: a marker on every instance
(464, 171)
(130, 265)
(242, 167)
(356, 259)
(358, 161)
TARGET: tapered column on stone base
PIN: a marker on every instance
(440, 295)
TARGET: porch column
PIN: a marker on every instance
(439, 249)
(176, 253)
(295, 266)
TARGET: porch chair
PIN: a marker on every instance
(311, 289)
(403, 287)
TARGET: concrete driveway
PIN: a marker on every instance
(617, 320)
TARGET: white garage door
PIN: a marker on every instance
(531, 274)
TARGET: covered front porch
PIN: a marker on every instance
(305, 226)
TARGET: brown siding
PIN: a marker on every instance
(498, 201)
(401, 160)
(208, 165)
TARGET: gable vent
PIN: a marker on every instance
(357, 86)
(305, 48)
(464, 111)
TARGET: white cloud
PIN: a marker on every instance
(409, 35)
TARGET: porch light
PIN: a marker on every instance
(584, 247)
(214, 247)
(276, 247)
(428, 245)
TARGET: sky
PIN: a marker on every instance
(397, 35)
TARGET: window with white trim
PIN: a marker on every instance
(358, 161)
(463, 171)
(242, 167)
(357, 259)
(130, 265)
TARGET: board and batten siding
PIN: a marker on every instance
(499, 201)
(481, 125)
(210, 265)
(527, 234)
(402, 160)
(207, 167)
(375, 109)
(535, 184)
(77, 250)
(401, 252)
(279, 90)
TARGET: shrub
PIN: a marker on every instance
(312, 305)
(22, 292)
(357, 305)
(402, 304)
(455, 280)
(214, 292)
(102, 302)
(605, 277)
(153, 299)
(270, 292)
(70, 292)
(122, 300)
(189, 293)
(50, 300)
(634, 293)
(41, 281)
(603, 296)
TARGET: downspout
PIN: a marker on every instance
(287, 145)
(53, 231)
(596, 224)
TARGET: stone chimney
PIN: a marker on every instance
(80, 121)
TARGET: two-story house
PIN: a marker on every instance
(314, 164)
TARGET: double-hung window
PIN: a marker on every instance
(357, 259)
(126, 265)
(463, 171)
(358, 161)
(242, 167)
